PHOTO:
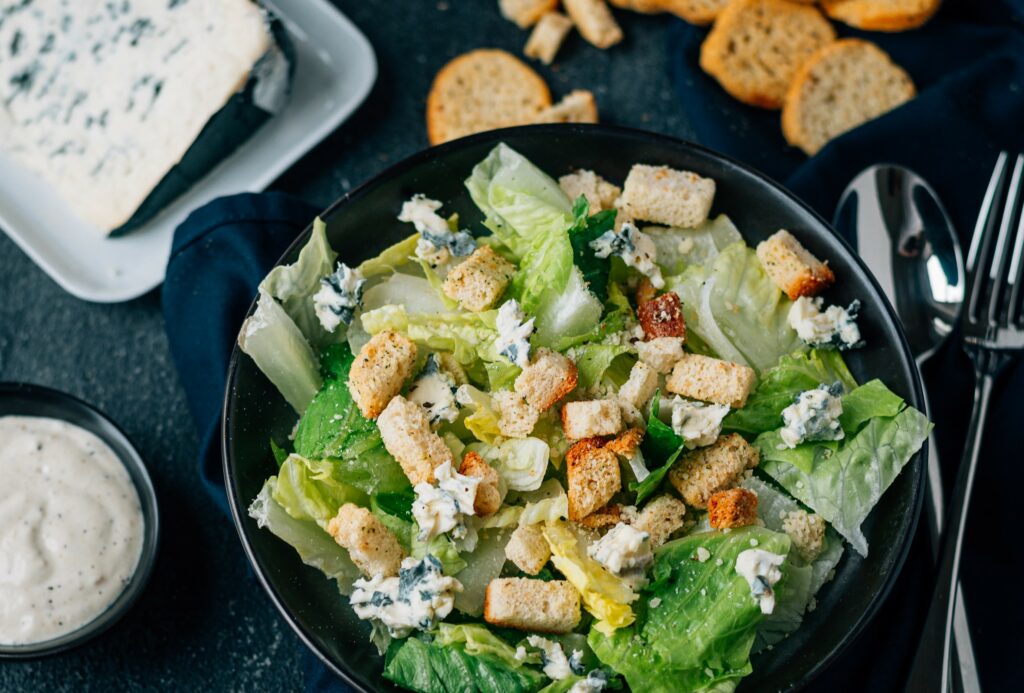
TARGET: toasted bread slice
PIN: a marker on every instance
(578, 106)
(881, 15)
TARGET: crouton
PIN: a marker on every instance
(792, 267)
(535, 605)
(598, 417)
(578, 106)
(711, 380)
(593, 476)
(608, 516)
(525, 13)
(379, 371)
(662, 317)
(549, 377)
(660, 518)
(806, 531)
(600, 194)
(594, 21)
(631, 416)
(627, 443)
(370, 545)
(406, 433)
(701, 473)
(488, 495)
(479, 281)
(666, 196)
(547, 36)
(641, 385)
(736, 507)
(645, 290)
(661, 353)
(516, 416)
(528, 549)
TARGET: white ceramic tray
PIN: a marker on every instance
(335, 68)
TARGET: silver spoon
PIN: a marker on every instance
(900, 229)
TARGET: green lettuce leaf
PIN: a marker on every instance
(700, 631)
(870, 400)
(442, 548)
(660, 443)
(476, 639)
(309, 490)
(483, 564)
(594, 360)
(393, 257)
(435, 668)
(469, 336)
(586, 229)
(679, 248)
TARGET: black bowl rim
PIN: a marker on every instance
(143, 484)
(496, 136)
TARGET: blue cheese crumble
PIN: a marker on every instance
(761, 571)
(444, 507)
(697, 423)
(595, 682)
(813, 416)
(555, 664)
(622, 550)
(434, 390)
(514, 332)
(636, 249)
(834, 328)
(417, 599)
(338, 298)
(437, 242)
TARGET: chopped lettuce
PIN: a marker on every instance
(483, 564)
(440, 547)
(476, 640)
(280, 350)
(594, 360)
(469, 336)
(520, 462)
(679, 248)
(697, 620)
(569, 310)
(661, 446)
(391, 258)
(586, 229)
(294, 285)
(309, 490)
(438, 668)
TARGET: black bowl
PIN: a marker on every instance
(362, 223)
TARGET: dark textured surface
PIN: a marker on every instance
(204, 622)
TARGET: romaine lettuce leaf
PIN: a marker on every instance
(661, 446)
(469, 336)
(520, 202)
(434, 668)
(476, 640)
(309, 490)
(483, 564)
(567, 311)
(281, 352)
(696, 621)
(391, 258)
(679, 248)
(594, 360)
(586, 229)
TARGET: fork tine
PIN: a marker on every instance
(997, 273)
(982, 239)
(1015, 277)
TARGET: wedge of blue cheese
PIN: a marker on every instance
(122, 106)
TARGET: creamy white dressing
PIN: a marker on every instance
(71, 528)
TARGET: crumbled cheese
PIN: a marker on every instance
(835, 327)
(753, 542)
(340, 295)
(437, 242)
(697, 423)
(761, 571)
(442, 508)
(654, 603)
(703, 554)
(623, 549)
(514, 332)
(521, 654)
(636, 249)
(813, 416)
(552, 658)
(718, 561)
(639, 466)
(594, 683)
(434, 390)
(417, 599)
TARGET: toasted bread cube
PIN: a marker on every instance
(627, 443)
(608, 516)
(641, 385)
(662, 317)
(711, 380)
(703, 472)
(479, 281)
(526, 13)
(663, 195)
(593, 476)
(792, 267)
(516, 416)
(735, 507)
(405, 430)
(370, 545)
(806, 531)
(488, 494)
(594, 21)
(534, 605)
(660, 518)
(661, 353)
(549, 377)
(599, 193)
(578, 106)
(598, 417)
(547, 36)
(528, 549)
(379, 371)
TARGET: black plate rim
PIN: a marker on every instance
(495, 136)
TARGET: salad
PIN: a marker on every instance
(596, 442)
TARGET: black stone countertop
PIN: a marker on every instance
(204, 622)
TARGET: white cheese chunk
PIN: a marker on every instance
(555, 664)
(622, 549)
(415, 600)
(834, 327)
(338, 298)
(761, 571)
(434, 390)
(595, 682)
(442, 508)
(514, 332)
(636, 249)
(437, 242)
(697, 423)
(813, 416)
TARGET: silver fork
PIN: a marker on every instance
(993, 333)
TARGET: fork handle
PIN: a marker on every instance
(930, 670)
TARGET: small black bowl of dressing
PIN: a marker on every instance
(79, 523)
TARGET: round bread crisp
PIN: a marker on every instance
(483, 90)
(756, 46)
(881, 15)
(840, 87)
(698, 12)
